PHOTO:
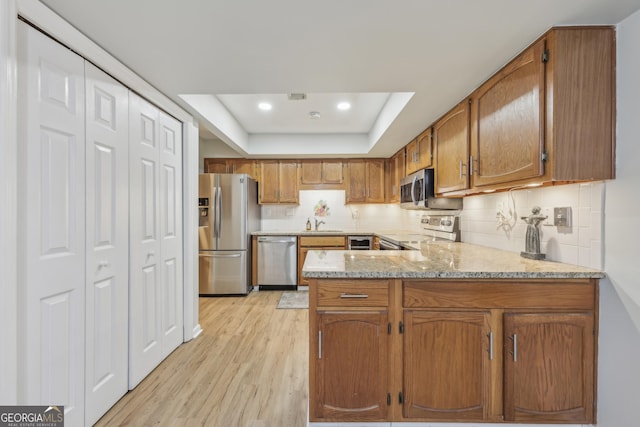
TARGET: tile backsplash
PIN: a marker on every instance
(365, 217)
(580, 243)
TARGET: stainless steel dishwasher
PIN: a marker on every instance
(277, 262)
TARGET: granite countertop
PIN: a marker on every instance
(433, 259)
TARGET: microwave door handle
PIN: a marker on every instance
(413, 192)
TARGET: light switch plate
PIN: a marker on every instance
(562, 217)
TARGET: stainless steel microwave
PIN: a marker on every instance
(417, 192)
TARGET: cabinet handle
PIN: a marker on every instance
(490, 345)
(354, 296)
(514, 337)
(319, 344)
(470, 165)
(460, 169)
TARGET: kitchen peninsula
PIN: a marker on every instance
(450, 332)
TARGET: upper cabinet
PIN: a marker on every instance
(394, 173)
(278, 182)
(507, 140)
(231, 165)
(321, 174)
(419, 154)
(365, 181)
(547, 116)
(451, 138)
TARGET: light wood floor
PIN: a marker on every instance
(248, 368)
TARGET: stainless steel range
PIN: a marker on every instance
(441, 227)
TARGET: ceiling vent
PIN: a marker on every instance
(297, 96)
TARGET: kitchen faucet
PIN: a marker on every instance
(318, 223)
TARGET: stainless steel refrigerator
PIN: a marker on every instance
(229, 213)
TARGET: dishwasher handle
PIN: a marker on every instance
(267, 240)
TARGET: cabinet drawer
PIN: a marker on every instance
(323, 241)
(356, 293)
(579, 294)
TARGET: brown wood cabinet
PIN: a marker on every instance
(231, 165)
(547, 117)
(365, 181)
(278, 182)
(451, 139)
(446, 368)
(349, 352)
(419, 152)
(488, 350)
(394, 172)
(316, 243)
(560, 389)
(508, 116)
(321, 174)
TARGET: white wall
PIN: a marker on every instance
(619, 354)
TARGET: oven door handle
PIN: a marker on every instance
(413, 192)
(389, 246)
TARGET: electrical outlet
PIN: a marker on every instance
(562, 217)
(548, 212)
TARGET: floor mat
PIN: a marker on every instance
(294, 299)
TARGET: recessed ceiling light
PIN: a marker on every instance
(265, 106)
(344, 106)
(314, 114)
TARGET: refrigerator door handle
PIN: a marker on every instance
(219, 217)
(219, 255)
(214, 212)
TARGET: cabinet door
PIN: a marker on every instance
(213, 165)
(356, 182)
(508, 122)
(375, 181)
(424, 153)
(451, 138)
(268, 182)
(412, 157)
(446, 365)
(351, 366)
(332, 172)
(395, 173)
(549, 367)
(288, 182)
(243, 166)
(311, 172)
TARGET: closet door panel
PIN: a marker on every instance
(171, 231)
(107, 242)
(145, 339)
(51, 199)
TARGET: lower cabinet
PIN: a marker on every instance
(351, 366)
(316, 243)
(454, 350)
(549, 367)
(446, 365)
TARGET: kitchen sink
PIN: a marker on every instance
(323, 231)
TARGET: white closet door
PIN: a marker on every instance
(171, 231)
(145, 297)
(51, 224)
(107, 242)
